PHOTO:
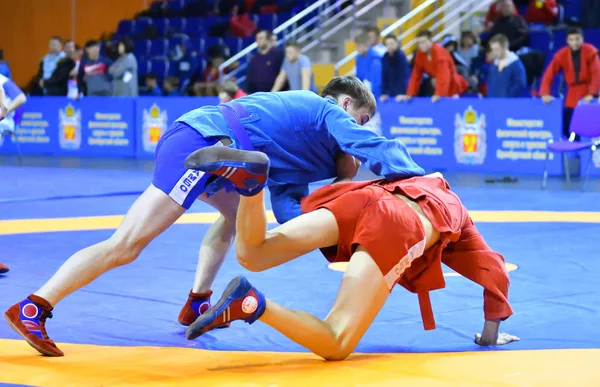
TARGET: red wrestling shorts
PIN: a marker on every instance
(390, 230)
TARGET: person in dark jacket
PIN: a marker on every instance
(265, 65)
(93, 78)
(506, 76)
(58, 83)
(395, 70)
(514, 27)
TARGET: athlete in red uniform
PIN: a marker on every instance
(390, 232)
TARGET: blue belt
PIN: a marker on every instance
(233, 112)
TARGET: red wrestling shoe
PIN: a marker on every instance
(3, 268)
(196, 304)
(240, 301)
(246, 170)
(28, 319)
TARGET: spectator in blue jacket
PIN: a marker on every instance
(368, 65)
(506, 76)
(395, 70)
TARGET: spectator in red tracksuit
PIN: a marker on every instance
(434, 60)
(493, 15)
(542, 11)
(581, 67)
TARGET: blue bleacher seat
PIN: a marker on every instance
(176, 24)
(197, 45)
(141, 24)
(210, 21)
(559, 40)
(540, 40)
(266, 22)
(193, 26)
(174, 42)
(141, 48)
(246, 42)
(125, 28)
(158, 48)
(160, 67)
(161, 25)
(234, 44)
(143, 66)
(282, 18)
(207, 43)
(174, 5)
(592, 36)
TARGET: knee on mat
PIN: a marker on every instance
(250, 262)
(337, 353)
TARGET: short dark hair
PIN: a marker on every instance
(128, 43)
(361, 39)
(268, 32)
(373, 29)
(574, 30)
(228, 86)
(151, 76)
(425, 34)
(390, 36)
(353, 87)
(467, 34)
(292, 43)
(56, 37)
(500, 39)
(91, 43)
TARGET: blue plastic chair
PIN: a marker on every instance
(141, 47)
(158, 48)
(584, 123)
(159, 67)
(125, 28)
(193, 27)
(161, 25)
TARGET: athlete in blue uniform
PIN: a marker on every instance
(307, 138)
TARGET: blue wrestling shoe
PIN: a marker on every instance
(240, 301)
(246, 170)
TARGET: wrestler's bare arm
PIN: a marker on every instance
(347, 167)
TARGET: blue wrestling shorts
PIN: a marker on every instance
(170, 175)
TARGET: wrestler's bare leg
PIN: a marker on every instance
(151, 214)
(361, 296)
(217, 240)
(335, 337)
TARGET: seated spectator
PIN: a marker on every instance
(240, 24)
(264, 66)
(151, 86)
(171, 87)
(186, 64)
(434, 60)
(506, 77)
(581, 67)
(374, 36)
(72, 89)
(468, 48)
(450, 43)
(58, 83)
(296, 69)
(510, 25)
(394, 70)
(4, 68)
(542, 12)
(493, 15)
(229, 90)
(93, 78)
(368, 65)
(124, 71)
(50, 60)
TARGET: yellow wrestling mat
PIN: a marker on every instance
(25, 226)
(91, 365)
